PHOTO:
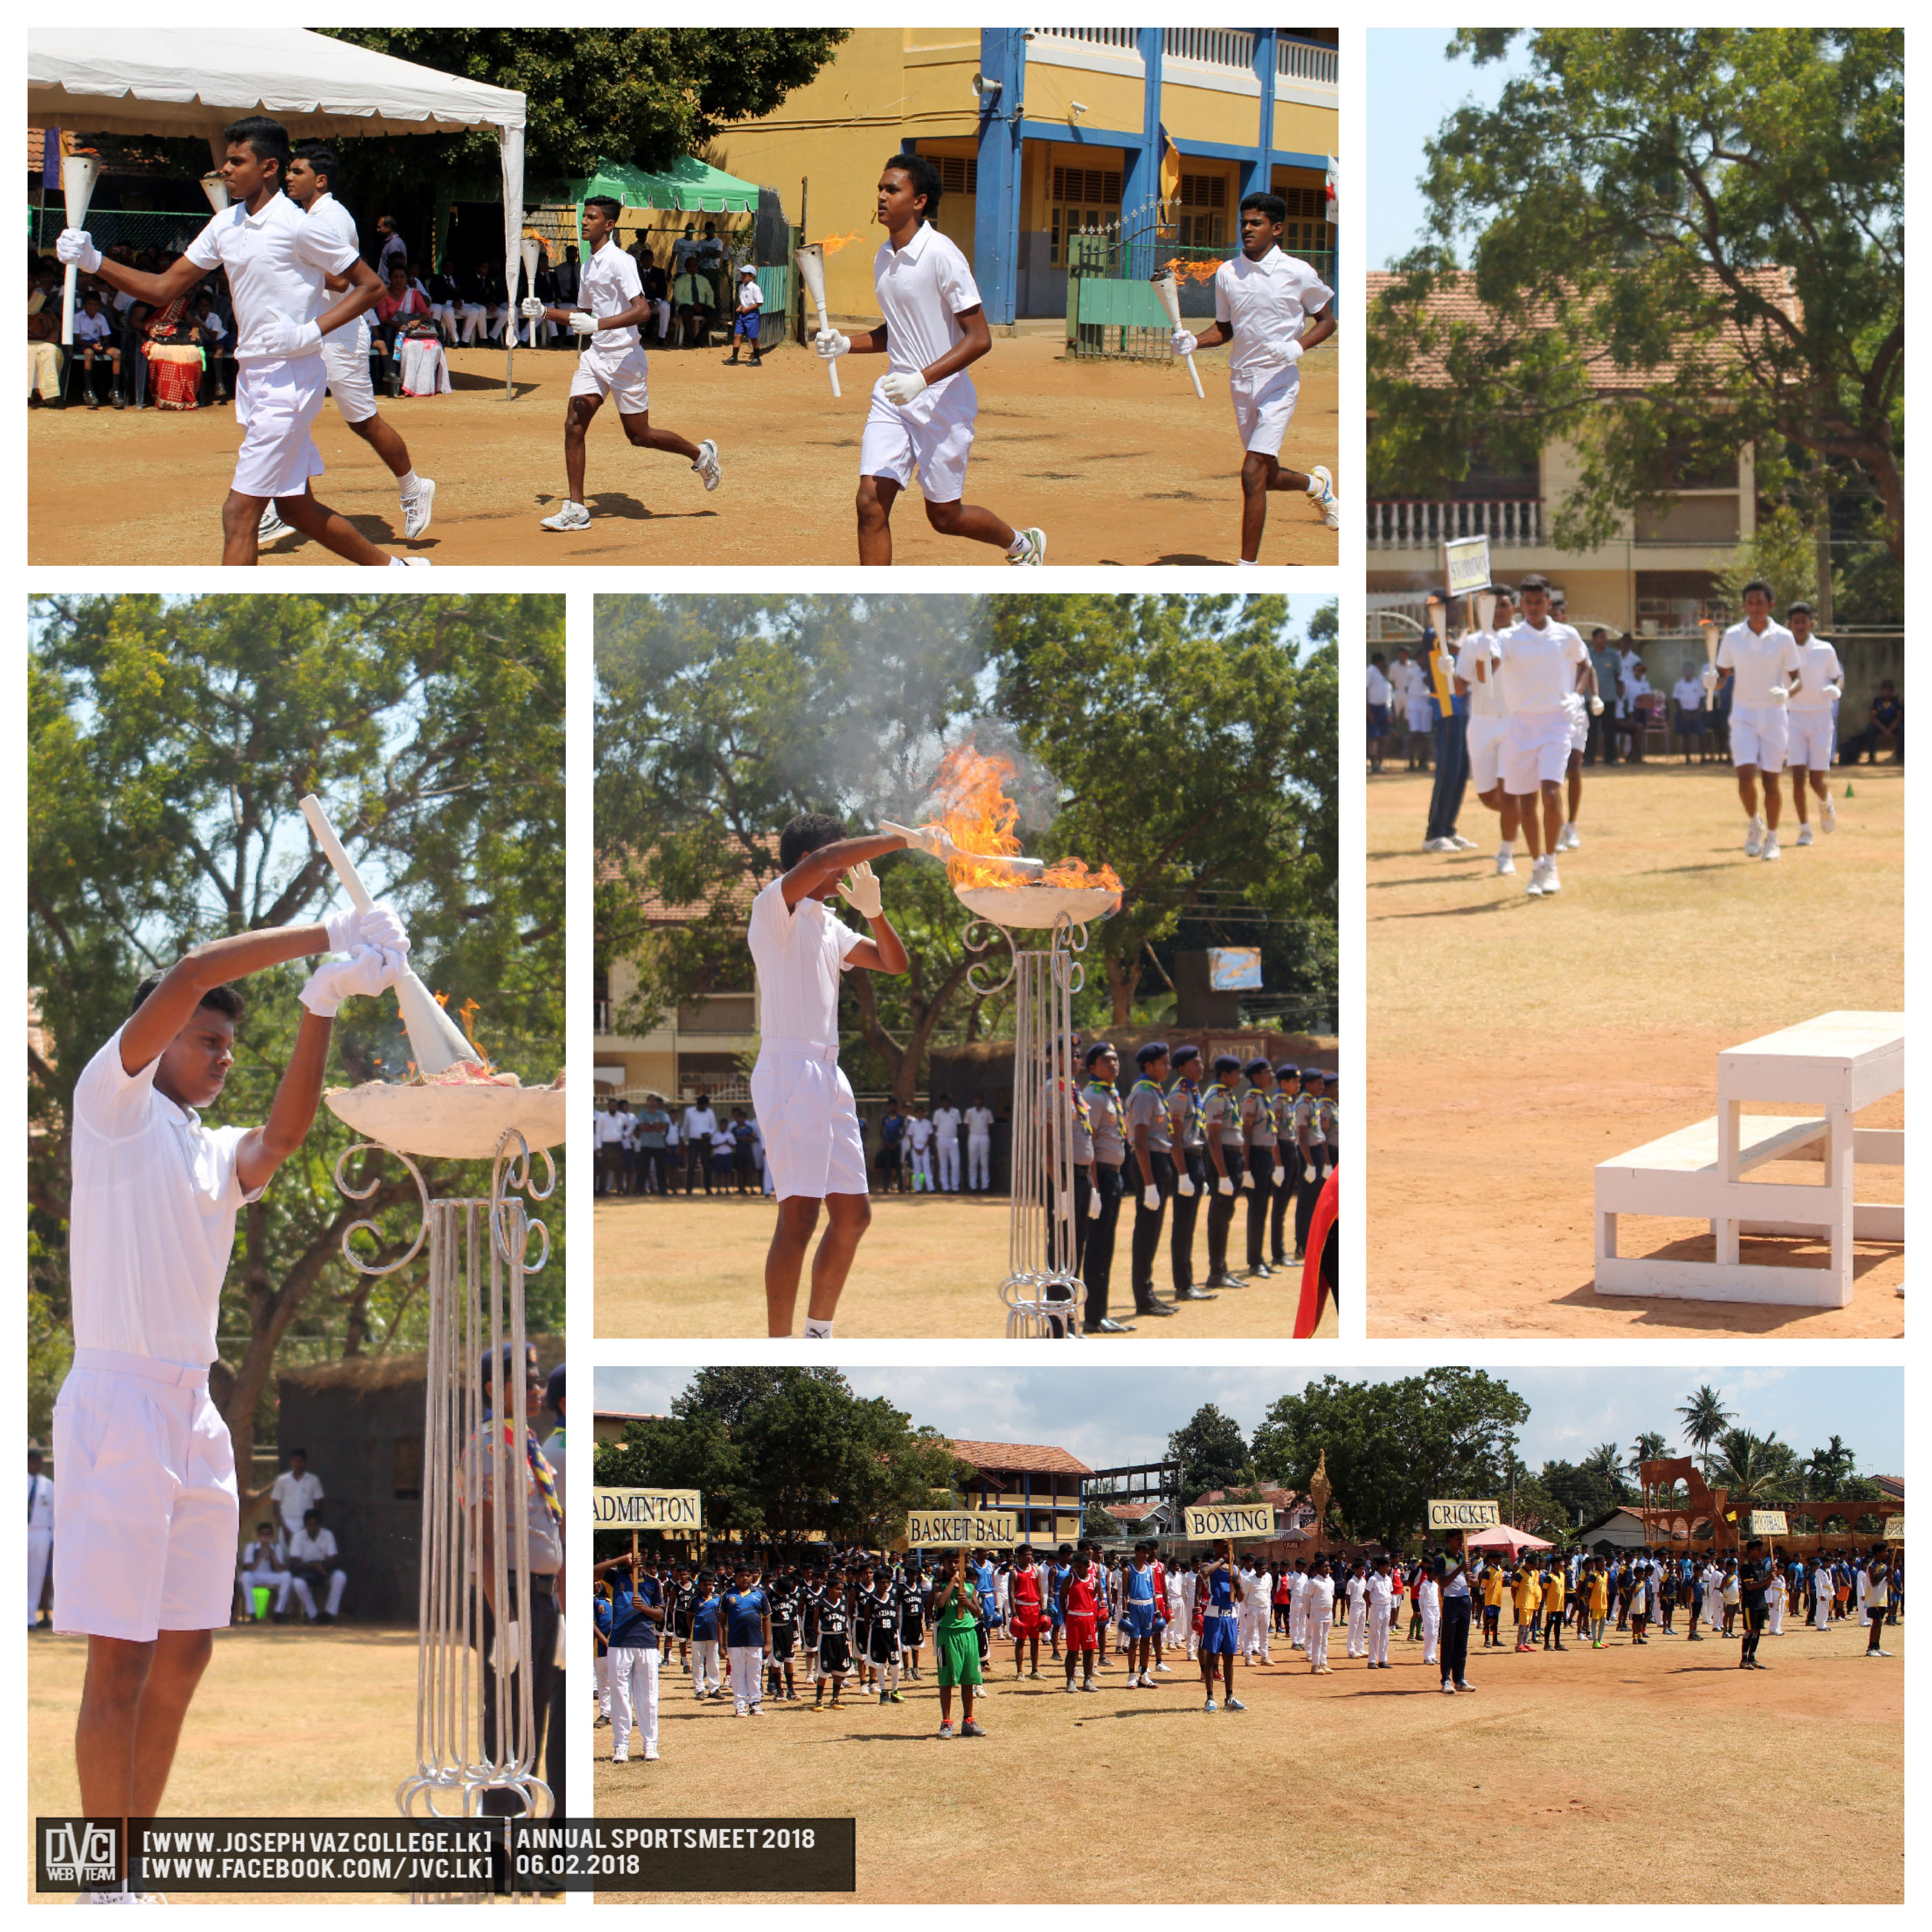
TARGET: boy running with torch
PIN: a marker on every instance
(923, 408)
(1262, 298)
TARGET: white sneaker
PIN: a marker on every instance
(650, 1753)
(1551, 883)
(1321, 488)
(413, 563)
(572, 517)
(419, 507)
(1439, 845)
(1534, 889)
(1828, 818)
(1461, 843)
(1209, 1705)
(1167, 1667)
(1567, 840)
(1753, 837)
(1805, 835)
(272, 526)
(710, 472)
(1771, 845)
(1032, 552)
(1506, 864)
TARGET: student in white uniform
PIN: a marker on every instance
(276, 261)
(265, 1566)
(924, 408)
(1774, 1602)
(1543, 663)
(1583, 704)
(1297, 1607)
(145, 1519)
(803, 1099)
(1479, 677)
(610, 303)
(1262, 299)
(945, 1137)
(312, 1551)
(1758, 659)
(1811, 719)
(979, 1146)
(1261, 1595)
(918, 1135)
(1358, 1610)
(1382, 1594)
(1429, 1595)
(40, 1534)
(1319, 1616)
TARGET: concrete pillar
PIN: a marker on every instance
(996, 219)
(1258, 175)
(1140, 186)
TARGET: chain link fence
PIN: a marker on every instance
(168, 229)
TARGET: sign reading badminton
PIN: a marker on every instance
(1452, 1515)
(647, 1509)
(1466, 565)
(960, 1529)
(1234, 969)
(1230, 1520)
(1769, 1523)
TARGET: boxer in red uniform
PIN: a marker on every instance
(1082, 1609)
(1029, 1609)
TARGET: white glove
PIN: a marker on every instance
(860, 890)
(1308, 1172)
(1286, 353)
(584, 322)
(831, 345)
(931, 839)
(902, 386)
(76, 248)
(1247, 1176)
(378, 926)
(1183, 1183)
(1280, 1174)
(530, 309)
(1780, 694)
(1093, 1204)
(1596, 706)
(1185, 343)
(1326, 1171)
(1151, 1199)
(280, 337)
(1224, 1186)
(367, 971)
(1710, 678)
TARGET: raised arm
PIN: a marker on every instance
(809, 877)
(198, 972)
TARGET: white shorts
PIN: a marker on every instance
(1579, 709)
(1811, 735)
(1536, 751)
(624, 376)
(898, 446)
(276, 404)
(813, 1146)
(146, 1514)
(1264, 406)
(1760, 735)
(1421, 712)
(345, 356)
(1486, 752)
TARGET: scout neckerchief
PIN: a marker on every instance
(1081, 1112)
(1192, 1088)
(1281, 1112)
(1228, 1118)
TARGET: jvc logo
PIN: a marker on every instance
(79, 1852)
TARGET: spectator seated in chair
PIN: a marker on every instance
(314, 1561)
(657, 291)
(93, 335)
(402, 315)
(265, 1566)
(694, 301)
(1885, 730)
(44, 359)
(171, 344)
(217, 344)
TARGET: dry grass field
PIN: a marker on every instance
(1514, 1043)
(1119, 463)
(1601, 1777)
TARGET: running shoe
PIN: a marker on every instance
(1551, 883)
(1440, 845)
(1235, 1704)
(970, 1729)
(1031, 551)
(710, 471)
(946, 1731)
(572, 517)
(1829, 817)
(1321, 488)
(1461, 843)
(419, 506)
(1753, 837)
(1209, 1705)
(1771, 850)
(1505, 864)
(1805, 835)
(272, 526)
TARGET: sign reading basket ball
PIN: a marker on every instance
(962, 1529)
(1230, 1520)
(1445, 1514)
(647, 1509)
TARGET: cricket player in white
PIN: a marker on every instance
(39, 1534)
(345, 354)
(946, 1128)
(611, 302)
(1358, 1615)
(276, 261)
(1544, 665)
(924, 407)
(1812, 720)
(1318, 1614)
(979, 1146)
(146, 1517)
(1479, 678)
(1382, 1594)
(1262, 299)
(1430, 1598)
(1758, 659)
(803, 1099)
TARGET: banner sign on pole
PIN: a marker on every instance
(1466, 565)
(1894, 1529)
(647, 1509)
(1448, 1514)
(1230, 1520)
(962, 1529)
(1769, 1522)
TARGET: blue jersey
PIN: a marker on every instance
(630, 1629)
(1220, 1594)
(704, 1620)
(1140, 1586)
(744, 1613)
(1062, 1575)
(601, 1614)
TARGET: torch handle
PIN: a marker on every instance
(832, 367)
(68, 290)
(331, 846)
(1195, 373)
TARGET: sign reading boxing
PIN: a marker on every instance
(962, 1529)
(1230, 1520)
(1448, 1514)
(647, 1509)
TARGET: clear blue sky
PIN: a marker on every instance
(1412, 89)
(1108, 1416)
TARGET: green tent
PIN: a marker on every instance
(688, 187)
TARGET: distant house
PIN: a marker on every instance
(609, 1424)
(1044, 1485)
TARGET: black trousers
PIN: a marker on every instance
(696, 1160)
(1221, 1210)
(1260, 1165)
(1096, 1264)
(1083, 1192)
(542, 1651)
(653, 1160)
(1186, 1210)
(1286, 1157)
(1453, 1640)
(1147, 1222)
(1306, 1193)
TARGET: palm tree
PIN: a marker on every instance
(1648, 1448)
(1756, 1469)
(1831, 1469)
(1605, 1464)
(1705, 1418)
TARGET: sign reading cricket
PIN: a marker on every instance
(1230, 1520)
(647, 1509)
(962, 1529)
(1448, 1514)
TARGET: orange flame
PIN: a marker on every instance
(1190, 271)
(832, 243)
(969, 794)
(443, 999)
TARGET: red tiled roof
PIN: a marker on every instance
(1893, 1486)
(660, 911)
(1281, 1498)
(1031, 1458)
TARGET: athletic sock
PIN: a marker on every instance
(1018, 546)
(398, 563)
(1247, 563)
(408, 484)
(816, 1330)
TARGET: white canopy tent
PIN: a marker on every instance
(196, 80)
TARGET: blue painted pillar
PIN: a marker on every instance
(1140, 187)
(1258, 175)
(996, 219)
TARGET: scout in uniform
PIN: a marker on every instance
(1221, 1123)
(1104, 1124)
(1308, 1154)
(1287, 1166)
(1190, 1168)
(1152, 1171)
(1258, 1126)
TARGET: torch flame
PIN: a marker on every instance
(1191, 272)
(832, 243)
(969, 798)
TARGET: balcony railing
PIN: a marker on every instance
(1210, 47)
(601, 1021)
(1302, 60)
(1101, 40)
(1400, 524)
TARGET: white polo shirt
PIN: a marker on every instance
(610, 284)
(1486, 697)
(296, 1495)
(339, 223)
(979, 1123)
(1541, 665)
(275, 261)
(798, 952)
(1379, 687)
(151, 1216)
(1759, 660)
(1818, 666)
(945, 1124)
(1267, 302)
(319, 1548)
(924, 288)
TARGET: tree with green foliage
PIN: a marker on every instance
(1648, 1448)
(1829, 1469)
(169, 741)
(1603, 1468)
(1212, 1452)
(1625, 196)
(1578, 1493)
(1705, 1418)
(1757, 1471)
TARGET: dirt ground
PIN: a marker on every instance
(1515, 1042)
(929, 1265)
(289, 1722)
(1597, 1775)
(1119, 464)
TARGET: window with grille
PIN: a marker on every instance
(958, 174)
(1307, 229)
(1083, 198)
(1202, 222)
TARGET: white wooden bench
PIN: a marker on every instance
(1837, 1062)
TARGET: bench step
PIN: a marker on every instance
(1694, 1149)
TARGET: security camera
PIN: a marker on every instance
(1076, 107)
